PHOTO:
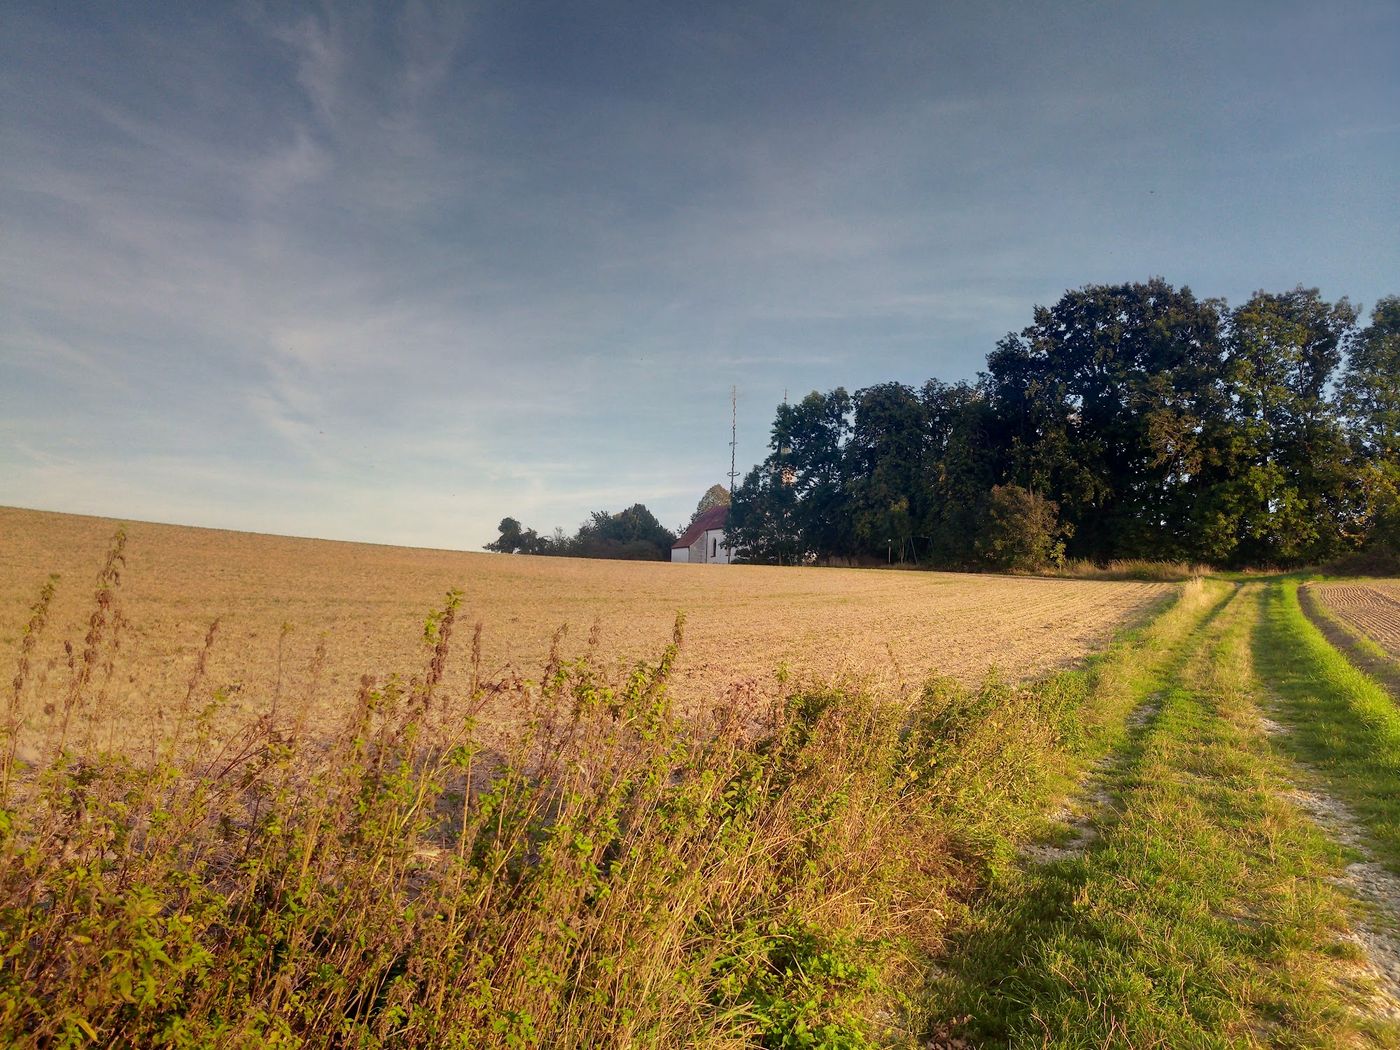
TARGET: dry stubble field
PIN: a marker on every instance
(1371, 608)
(368, 602)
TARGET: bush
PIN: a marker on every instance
(1022, 531)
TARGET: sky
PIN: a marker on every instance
(394, 272)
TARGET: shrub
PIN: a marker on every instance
(1022, 531)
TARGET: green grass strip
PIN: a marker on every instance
(1345, 726)
(1203, 918)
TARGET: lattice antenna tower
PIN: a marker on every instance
(785, 474)
(733, 436)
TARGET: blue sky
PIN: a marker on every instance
(394, 272)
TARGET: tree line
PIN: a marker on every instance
(1127, 421)
(633, 534)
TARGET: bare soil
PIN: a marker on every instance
(1371, 608)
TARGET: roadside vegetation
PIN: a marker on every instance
(616, 875)
(1128, 569)
(1202, 910)
(1111, 854)
(1345, 725)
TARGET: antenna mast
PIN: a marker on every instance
(733, 435)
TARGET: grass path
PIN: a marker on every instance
(1206, 907)
(1344, 726)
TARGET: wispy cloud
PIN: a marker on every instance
(287, 266)
(321, 54)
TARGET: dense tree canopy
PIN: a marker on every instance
(1126, 421)
(1370, 398)
(632, 534)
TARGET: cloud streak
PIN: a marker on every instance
(291, 265)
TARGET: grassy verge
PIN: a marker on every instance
(1201, 918)
(1361, 650)
(615, 876)
(1345, 726)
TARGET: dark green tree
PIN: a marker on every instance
(513, 539)
(762, 519)
(1370, 385)
(1290, 490)
(809, 460)
(1370, 400)
(1105, 403)
(793, 507)
(960, 466)
(887, 470)
(633, 534)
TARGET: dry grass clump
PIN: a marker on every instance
(1137, 569)
(613, 874)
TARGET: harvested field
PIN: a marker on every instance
(369, 602)
(1371, 608)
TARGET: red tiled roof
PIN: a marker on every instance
(714, 518)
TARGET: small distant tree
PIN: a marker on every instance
(632, 533)
(715, 496)
(514, 539)
(1022, 531)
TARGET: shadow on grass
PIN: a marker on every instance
(1063, 953)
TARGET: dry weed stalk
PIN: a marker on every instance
(14, 707)
(610, 874)
(99, 622)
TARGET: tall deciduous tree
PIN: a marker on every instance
(1291, 481)
(887, 468)
(762, 519)
(715, 496)
(1104, 402)
(1370, 386)
(795, 505)
(1370, 398)
(961, 464)
(809, 459)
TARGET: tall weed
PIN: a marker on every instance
(613, 874)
